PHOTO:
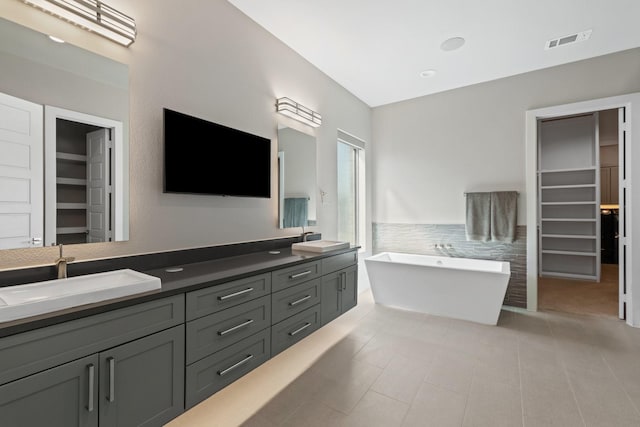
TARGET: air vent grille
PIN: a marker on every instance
(570, 39)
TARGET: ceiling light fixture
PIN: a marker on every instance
(290, 108)
(427, 73)
(93, 16)
(452, 43)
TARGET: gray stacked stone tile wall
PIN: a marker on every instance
(451, 242)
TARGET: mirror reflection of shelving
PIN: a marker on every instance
(71, 182)
(569, 195)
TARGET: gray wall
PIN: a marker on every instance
(428, 151)
(207, 59)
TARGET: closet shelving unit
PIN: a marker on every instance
(569, 198)
(71, 203)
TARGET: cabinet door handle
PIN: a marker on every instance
(301, 300)
(92, 371)
(235, 366)
(344, 281)
(235, 294)
(112, 379)
(304, 273)
(235, 328)
(300, 329)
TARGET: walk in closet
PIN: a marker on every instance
(569, 197)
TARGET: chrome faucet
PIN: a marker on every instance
(61, 264)
(304, 235)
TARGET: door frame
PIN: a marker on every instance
(51, 114)
(629, 101)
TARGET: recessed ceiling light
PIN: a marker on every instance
(56, 39)
(452, 44)
(427, 73)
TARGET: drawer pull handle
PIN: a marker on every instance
(235, 366)
(235, 294)
(235, 328)
(300, 329)
(92, 371)
(112, 379)
(304, 273)
(301, 300)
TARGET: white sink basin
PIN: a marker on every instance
(319, 245)
(27, 300)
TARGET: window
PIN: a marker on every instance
(351, 192)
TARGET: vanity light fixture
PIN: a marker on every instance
(290, 108)
(93, 16)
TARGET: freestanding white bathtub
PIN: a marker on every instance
(468, 289)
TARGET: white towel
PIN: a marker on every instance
(478, 223)
(504, 216)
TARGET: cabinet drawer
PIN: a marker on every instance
(219, 297)
(214, 372)
(294, 300)
(293, 329)
(282, 279)
(338, 262)
(40, 349)
(212, 333)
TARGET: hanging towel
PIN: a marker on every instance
(295, 212)
(504, 216)
(478, 224)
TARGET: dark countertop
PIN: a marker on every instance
(194, 276)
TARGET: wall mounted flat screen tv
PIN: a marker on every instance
(202, 157)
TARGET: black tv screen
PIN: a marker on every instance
(201, 157)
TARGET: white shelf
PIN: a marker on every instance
(71, 157)
(71, 181)
(558, 187)
(569, 219)
(568, 236)
(71, 230)
(567, 203)
(568, 275)
(591, 168)
(71, 206)
(576, 253)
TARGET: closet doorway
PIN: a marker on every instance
(578, 187)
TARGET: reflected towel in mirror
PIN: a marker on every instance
(295, 212)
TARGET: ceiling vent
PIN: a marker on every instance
(570, 39)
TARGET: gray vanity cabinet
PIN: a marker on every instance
(142, 382)
(339, 293)
(227, 334)
(119, 368)
(58, 397)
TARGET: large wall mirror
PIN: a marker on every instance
(296, 178)
(64, 120)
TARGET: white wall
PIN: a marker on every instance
(428, 151)
(207, 59)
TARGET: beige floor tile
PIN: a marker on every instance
(452, 370)
(377, 410)
(344, 391)
(377, 352)
(437, 407)
(549, 401)
(314, 414)
(493, 404)
(601, 397)
(402, 378)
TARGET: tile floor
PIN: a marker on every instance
(579, 296)
(376, 366)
